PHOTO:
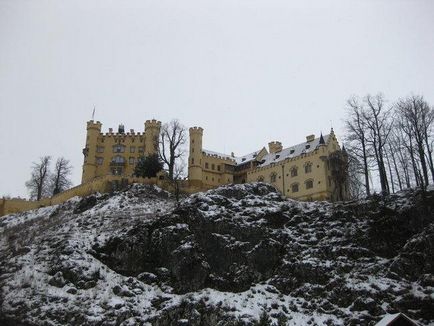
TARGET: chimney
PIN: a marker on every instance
(111, 130)
(232, 154)
(310, 138)
(274, 146)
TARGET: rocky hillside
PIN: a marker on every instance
(236, 255)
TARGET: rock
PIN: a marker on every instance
(72, 290)
(85, 204)
(149, 278)
(57, 280)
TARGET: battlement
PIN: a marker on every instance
(224, 158)
(152, 124)
(196, 130)
(94, 125)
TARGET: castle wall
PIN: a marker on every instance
(216, 170)
(15, 205)
(117, 153)
(280, 176)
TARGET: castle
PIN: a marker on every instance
(312, 170)
(117, 153)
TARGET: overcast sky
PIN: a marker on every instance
(247, 71)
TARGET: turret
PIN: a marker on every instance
(275, 147)
(321, 141)
(152, 134)
(195, 156)
(89, 152)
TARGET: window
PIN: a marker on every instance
(212, 166)
(131, 161)
(308, 167)
(100, 149)
(192, 161)
(118, 148)
(141, 149)
(261, 178)
(309, 184)
(118, 159)
(294, 187)
(132, 149)
(294, 172)
(273, 177)
(218, 167)
(206, 165)
(99, 160)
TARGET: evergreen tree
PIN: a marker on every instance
(148, 166)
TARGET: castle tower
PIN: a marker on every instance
(89, 152)
(152, 134)
(195, 156)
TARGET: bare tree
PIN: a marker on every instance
(38, 183)
(178, 174)
(59, 180)
(357, 137)
(378, 122)
(416, 120)
(338, 163)
(172, 138)
(356, 187)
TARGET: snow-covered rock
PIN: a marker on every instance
(236, 255)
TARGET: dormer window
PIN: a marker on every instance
(307, 146)
(277, 156)
(291, 151)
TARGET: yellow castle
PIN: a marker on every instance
(312, 170)
(116, 153)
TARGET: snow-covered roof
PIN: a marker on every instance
(293, 151)
(238, 159)
(246, 158)
(391, 317)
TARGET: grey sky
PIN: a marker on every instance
(247, 71)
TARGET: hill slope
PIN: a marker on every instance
(231, 256)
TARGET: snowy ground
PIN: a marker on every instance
(49, 274)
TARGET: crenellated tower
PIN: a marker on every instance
(152, 134)
(89, 152)
(195, 156)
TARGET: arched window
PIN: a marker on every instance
(294, 187)
(273, 177)
(294, 171)
(309, 184)
(308, 167)
(261, 178)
